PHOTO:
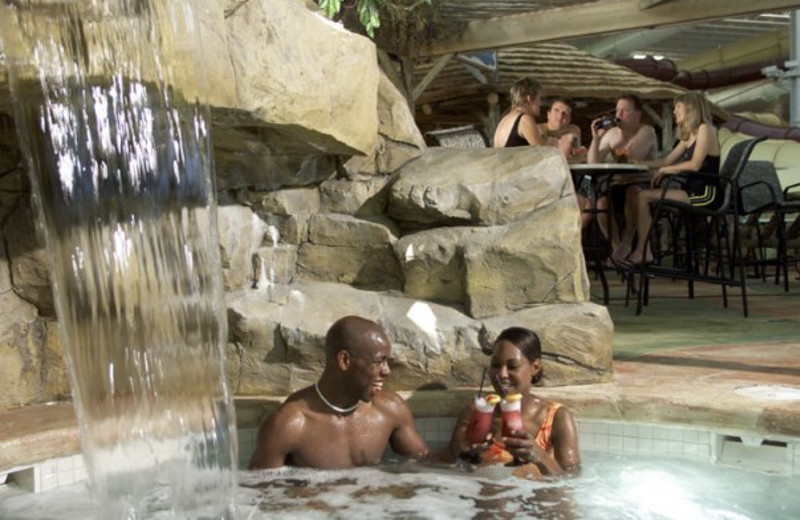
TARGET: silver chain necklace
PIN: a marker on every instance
(332, 406)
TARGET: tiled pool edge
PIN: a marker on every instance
(728, 448)
(607, 422)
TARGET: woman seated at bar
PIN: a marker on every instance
(697, 151)
(518, 127)
(522, 430)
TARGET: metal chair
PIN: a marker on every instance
(711, 235)
(761, 195)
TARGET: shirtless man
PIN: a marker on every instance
(559, 124)
(346, 419)
(555, 132)
(629, 139)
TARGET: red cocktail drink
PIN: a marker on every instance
(481, 421)
(511, 407)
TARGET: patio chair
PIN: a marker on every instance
(761, 195)
(711, 244)
(467, 136)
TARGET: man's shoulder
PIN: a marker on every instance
(293, 411)
(389, 402)
(648, 130)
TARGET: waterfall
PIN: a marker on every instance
(111, 116)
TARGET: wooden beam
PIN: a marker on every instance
(431, 75)
(647, 4)
(655, 116)
(389, 68)
(592, 18)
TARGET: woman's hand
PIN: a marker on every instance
(523, 447)
(658, 178)
(472, 451)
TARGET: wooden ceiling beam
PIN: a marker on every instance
(647, 4)
(590, 19)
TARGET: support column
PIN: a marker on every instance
(667, 129)
(794, 56)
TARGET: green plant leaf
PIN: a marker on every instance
(330, 7)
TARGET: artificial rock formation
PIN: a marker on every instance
(330, 204)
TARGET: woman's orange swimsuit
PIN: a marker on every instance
(497, 453)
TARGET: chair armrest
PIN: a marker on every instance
(679, 178)
(788, 189)
(682, 178)
(662, 201)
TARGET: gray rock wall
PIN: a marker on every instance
(329, 205)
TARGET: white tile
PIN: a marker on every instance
(675, 434)
(78, 463)
(48, 467)
(660, 446)
(690, 436)
(645, 431)
(644, 446)
(585, 426)
(65, 465)
(601, 427)
(675, 447)
(615, 429)
(630, 430)
(615, 444)
(600, 442)
(447, 423)
(47, 483)
(661, 433)
(81, 474)
(629, 444)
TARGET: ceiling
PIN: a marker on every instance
(681, 42)
(679, 31)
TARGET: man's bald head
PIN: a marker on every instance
(354, 334)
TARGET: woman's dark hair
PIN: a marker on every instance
(527, 342)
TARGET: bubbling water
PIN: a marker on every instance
(120, 166)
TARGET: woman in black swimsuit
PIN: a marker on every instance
(697, 151)
(518, 127)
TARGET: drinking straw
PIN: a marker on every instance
(483, 377)
(499, 386)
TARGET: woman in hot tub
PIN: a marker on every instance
(547, 443)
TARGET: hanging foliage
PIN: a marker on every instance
(368, 11)
(400, 26)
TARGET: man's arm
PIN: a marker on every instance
(651, 143)
(405, 439)
(598, 147)
(277, 437)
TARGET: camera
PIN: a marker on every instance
(605, 123)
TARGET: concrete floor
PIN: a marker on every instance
(695, 362)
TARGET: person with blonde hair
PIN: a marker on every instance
(697, 151)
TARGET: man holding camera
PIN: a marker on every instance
(628, 139)
(624, 134)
